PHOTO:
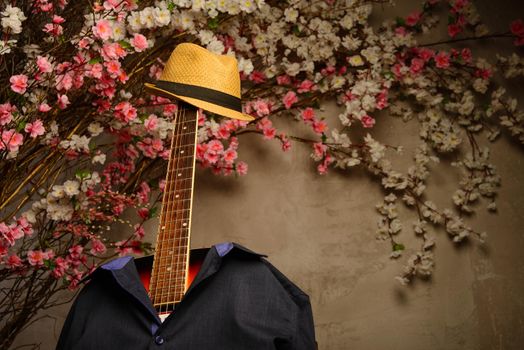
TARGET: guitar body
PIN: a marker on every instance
(144, 265)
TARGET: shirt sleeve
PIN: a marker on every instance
(304, 338)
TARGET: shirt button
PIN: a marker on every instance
(159, 340)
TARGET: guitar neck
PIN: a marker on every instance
(171, 261)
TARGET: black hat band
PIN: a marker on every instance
(205, 94)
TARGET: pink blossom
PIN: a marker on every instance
(269, 133)
(367, 121)
(308, 115)
(13, 261)
(151, 123)
(44, 107)
(454, 29)
(113, 51)
(466, 55)
(63, 101)
(328, 70)
(75, 252)
(58, 19)
(95, 70)
(24, 225)
(35, 128)
(143, 193)
(306, 86)
(320, 126)
(283, 79)
(322, 169)
(416, 65)
(241, 168)
(139, 42)
(425, 54)
(397, 70)
(113, 67)
(6, 234)
(18, 83)
(223, 132)
(264, 123)
(143, 213)
(382, 99)
(517, 27)
(35, 257)
(102, 29)
(262, 107)
(215, 146)
(442, 60)
(257, 77)
(97, 247)
(140, 232)
(401, 31)
(319, 149)
(289, 99)
(125, 112)
(286, 144)
(11, 140)
(6, 115)
(53, 29)
(64, 81)
(211, 157)
(44, 66)
(413, 18)
(61, 266)
(229, 156)
(169, 109)
(483, 73)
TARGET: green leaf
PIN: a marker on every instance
(124, 44)
(95, 60)
(49, 264)
(400, 21)
(324, 137)
(82, 174)
(170, 6)
(152, 212)
(296, 30)
(136, 139)
(20, 126)
(212, 23)
(398, 246)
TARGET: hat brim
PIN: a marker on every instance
(210, 107)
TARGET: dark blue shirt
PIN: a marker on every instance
(238, 300)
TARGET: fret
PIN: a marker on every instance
(191, 132)
(174, 170)
(169, 273)
(167, 303)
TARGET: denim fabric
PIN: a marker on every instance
(237, 301)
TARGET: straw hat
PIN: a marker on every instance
(203, 79)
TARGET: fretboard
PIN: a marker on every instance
(170, 265)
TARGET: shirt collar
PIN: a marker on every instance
(222, 249)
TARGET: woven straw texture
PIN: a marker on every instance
(194, 65)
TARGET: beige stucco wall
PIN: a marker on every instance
(320, 232)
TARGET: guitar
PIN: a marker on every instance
(169, 273)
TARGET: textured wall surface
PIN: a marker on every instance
(320, 232)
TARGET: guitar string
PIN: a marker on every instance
(170, 268)
(180, 268)
(178, 218)
(166, 207)
(154, 280)
(193, 142)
